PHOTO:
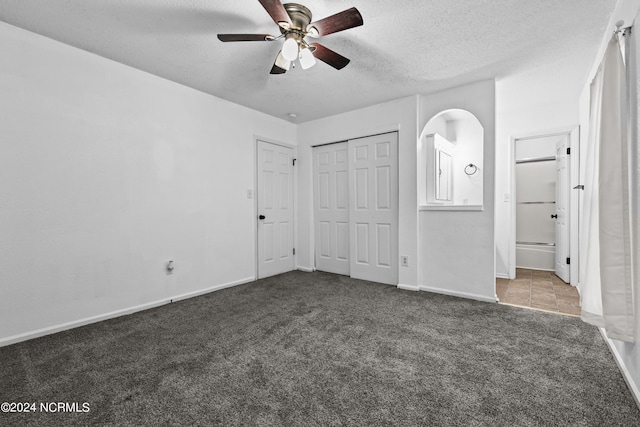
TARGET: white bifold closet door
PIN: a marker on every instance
(361, 241)
(373, 213)
(331, 201)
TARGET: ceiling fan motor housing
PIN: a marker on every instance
(300, 18)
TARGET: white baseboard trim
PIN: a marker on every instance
(633, 387)
(306, 269)
(415, 288)
(502, 276)
(458, 294)
(14, 339)
(212, 289)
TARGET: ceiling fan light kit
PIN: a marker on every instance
(294, 22)
(306, 59)
(290, 48)
(282, 63)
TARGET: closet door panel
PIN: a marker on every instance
(331, 208)
(373, 216)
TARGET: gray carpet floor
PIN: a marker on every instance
(320, 349)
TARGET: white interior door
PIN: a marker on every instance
(373, 208)
(562, 209)
(331, 207)
(275, 209)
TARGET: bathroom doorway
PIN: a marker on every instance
(542, 203)
(545, 223)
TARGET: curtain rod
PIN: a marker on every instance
(620, 28)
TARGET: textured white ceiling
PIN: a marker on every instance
(404, 47)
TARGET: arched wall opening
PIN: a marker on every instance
(450, 161)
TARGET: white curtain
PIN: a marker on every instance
(606, 282)
(632, 57)
(590, 293)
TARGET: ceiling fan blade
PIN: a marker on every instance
(277, 70)
(281, 65)
(276, 10)
(330, 57)
(245, 37)
(332, 24)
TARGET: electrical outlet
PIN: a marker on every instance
(169, 267)
(404, 261)
(249, 194)
(507, 197)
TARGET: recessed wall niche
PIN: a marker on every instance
(451, 162)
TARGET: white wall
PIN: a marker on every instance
(398, 115)
(438, 125)
(107, 172)
(535, 102)
(536, 148)
(472, 243)
(456, 248)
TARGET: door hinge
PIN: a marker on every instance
(294, 251)
(568, 260)
(294, 162)
(568, 150)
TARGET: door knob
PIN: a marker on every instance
(554, 216)
(261, 217)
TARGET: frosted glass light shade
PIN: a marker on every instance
(307, 59)
(290, 49)
(282, 63)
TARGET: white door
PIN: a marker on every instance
(562, 209)
(275, 209)
(331, 206)
(373, 208)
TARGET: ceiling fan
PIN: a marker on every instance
(294, 22)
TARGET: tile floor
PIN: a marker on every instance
(541, 290)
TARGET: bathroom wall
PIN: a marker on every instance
(467, 134)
